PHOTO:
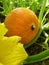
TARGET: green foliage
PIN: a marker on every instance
(36, 58)
(45, 54)
(8, 5)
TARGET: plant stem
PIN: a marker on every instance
(41, 24)
(38, 57)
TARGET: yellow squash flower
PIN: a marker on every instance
(12, 51)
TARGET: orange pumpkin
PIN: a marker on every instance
(22, 22)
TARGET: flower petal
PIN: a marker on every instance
(3, 29)
(11, 51)
(7, 43)
(15, 56)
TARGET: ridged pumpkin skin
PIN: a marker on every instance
(19, 22)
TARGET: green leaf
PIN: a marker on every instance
(34, 6)
(46, 26)
(47, 3)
